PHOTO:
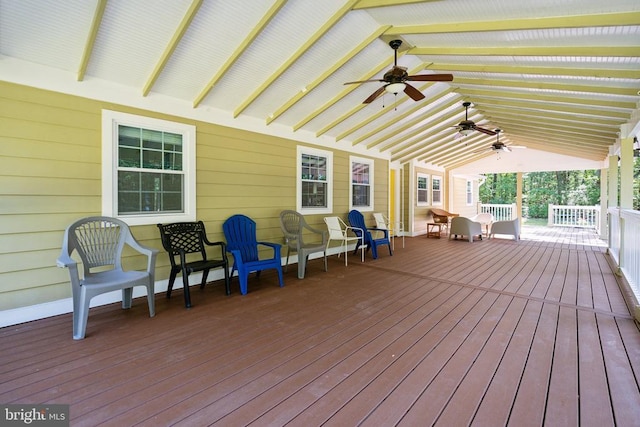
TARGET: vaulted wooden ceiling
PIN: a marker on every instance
(556, 76)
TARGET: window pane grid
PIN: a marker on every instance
(314, 168)
(423, 189)
(314, 181)
(435, 190)
(314, 194)
(141, 191)
(360, 183)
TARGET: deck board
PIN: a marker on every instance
(446, 332)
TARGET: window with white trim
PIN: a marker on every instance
(361, 189)
(436, 190)
(148, 169)
(469, 192)
(422, 185)
(314, 187)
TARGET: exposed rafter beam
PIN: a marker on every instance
(344, 92)
(452, 146)
(577, 129)
(556, 135)
(525, 95)
(427, 134)
(545, 71)
(257, 29)
(346, 8)
(497, 111)
(367, 4)
(417, 126)
(550, 106)
(606, 90)
(171, 47)
(575, 21)
(455, 153)
(91, 39)
(573, 51)
(308, 88)
(417, 106)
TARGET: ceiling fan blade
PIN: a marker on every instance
(431, 78)
(487, 131)
(364, 81)
(374, 95)
(506, 149)
(413, 93)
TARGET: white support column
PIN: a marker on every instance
(519, 195)
(626, 173)
(604, 205)
(613, 181)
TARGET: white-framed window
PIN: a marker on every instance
(361, 188)
(436, 190)
(148, 169)
(469, 192)
(314, 183)
(422, 185)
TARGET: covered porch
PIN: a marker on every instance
(496, 332)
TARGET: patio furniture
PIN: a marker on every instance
(461, 226)
(440, 216)
(181, 240)
(511, 227)
(356, 219)
(99, 242)
(384, 223)
(485, 219)
(294, 227)
(242, 242)
(339, 230)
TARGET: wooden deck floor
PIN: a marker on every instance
(444, 332)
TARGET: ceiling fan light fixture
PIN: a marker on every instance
(395, 87)
(465, 132)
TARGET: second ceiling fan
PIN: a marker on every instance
(397, 77)
(466, 126)
(499, 146)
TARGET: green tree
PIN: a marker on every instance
(580, 187)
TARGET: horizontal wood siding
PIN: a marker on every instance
(460, 197)
(50, 175)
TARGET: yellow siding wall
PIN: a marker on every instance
(421, 213)
(50, 175)
(460, 197)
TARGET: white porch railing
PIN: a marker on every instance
(574, 216)
(624, 247)
(500, 212)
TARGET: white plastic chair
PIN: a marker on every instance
(339, 230)
(461, 226)
(510, 227)
(99, 242)
(485, 219)
(384, 223)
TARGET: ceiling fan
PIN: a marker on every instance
(499, 146)
(467, 126)
(397, 77)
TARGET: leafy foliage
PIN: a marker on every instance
(578, 187)
(540, 189)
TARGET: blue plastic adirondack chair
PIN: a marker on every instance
(240, 232)
(356, 219)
